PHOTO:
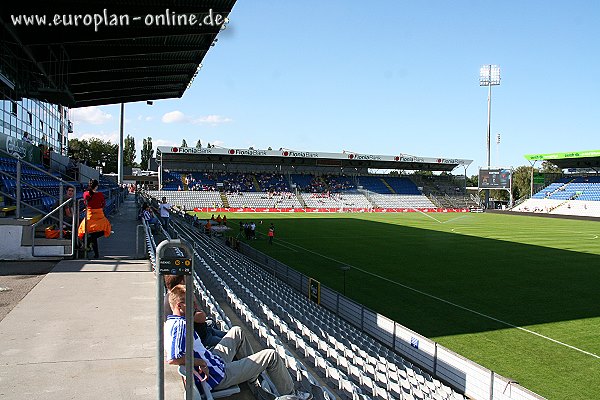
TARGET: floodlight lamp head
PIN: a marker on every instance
(489, 75)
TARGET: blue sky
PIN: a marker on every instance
(386, 77)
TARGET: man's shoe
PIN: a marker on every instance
(297, 395)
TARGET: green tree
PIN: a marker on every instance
(103, 153)
(521, 182)
(183, 143)
(473, 181)
(79, 150)
(549, 168)
(423, 173)
(129, 151)
(198, 144)
(147, 152)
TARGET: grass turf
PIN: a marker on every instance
(536, 273)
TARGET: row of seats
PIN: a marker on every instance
(579, 188)
(230, 182)
(201, 199)
(401, 201)
(189, 199)
(345, 356)
(264, 200)
(336, 200)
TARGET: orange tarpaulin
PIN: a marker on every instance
(97, 222)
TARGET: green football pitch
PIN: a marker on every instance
(519, 295)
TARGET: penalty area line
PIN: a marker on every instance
(450, 303)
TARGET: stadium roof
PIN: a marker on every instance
(573, 159)
(306, 158)
(106, 51)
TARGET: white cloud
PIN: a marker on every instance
(90, 115)
(163, 142)
(148, 118)
(112, 137)
(174, 116)
(178, 117)
(212, 119)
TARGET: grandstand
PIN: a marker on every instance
(352, 364)
(251, 180)
(575, 195)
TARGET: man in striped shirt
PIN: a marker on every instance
(218, 364)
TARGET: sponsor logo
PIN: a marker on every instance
(305, 154)
(449, 161)
(15, 147)
(239, 152)
(411, 159)
(351, 156)
(366, 157)
(191, 150)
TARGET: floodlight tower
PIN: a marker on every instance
(489, 75)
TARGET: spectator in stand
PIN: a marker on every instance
(209, 335)
(95, 224)
(164, 210)
(67, 209)
(148, 216)
(217, 365)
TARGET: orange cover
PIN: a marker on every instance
(97, 222)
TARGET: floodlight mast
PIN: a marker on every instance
(489, 75)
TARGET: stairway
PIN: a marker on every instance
(388, 186)
(300, 199)
(256, 184)
(183, 178)
(224, 199)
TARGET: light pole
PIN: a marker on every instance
(120, 158)
(489, 75)
(120, 155)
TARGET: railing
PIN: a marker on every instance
(20, 183)
(75, 217)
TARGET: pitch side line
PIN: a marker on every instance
(454, 219)
(449, 302)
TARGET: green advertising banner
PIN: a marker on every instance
(557, 156)
(20, 149)
(538, 179)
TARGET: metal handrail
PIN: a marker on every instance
(73, 231)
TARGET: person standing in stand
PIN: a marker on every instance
(165, 215)
(95, 223)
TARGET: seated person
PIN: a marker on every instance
(217, 365)
(148, 216)
(209, 335)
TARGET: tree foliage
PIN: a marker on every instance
(548, 167)
(129, 151)
(199, 144)
(183, 143)
(147, 152)
(95, 153)
(521, 185)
